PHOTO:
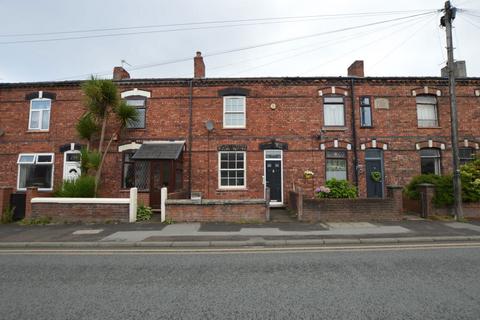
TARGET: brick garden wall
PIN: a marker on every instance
(216, 211)
(81, 212)
(359, 209)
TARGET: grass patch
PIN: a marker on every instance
(36, 221)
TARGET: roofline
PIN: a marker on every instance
(206, 81)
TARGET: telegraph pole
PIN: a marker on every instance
(446, 21)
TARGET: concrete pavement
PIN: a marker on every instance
(234, 235)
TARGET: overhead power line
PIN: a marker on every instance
(323, 16)
(266, 44)
(142, 32)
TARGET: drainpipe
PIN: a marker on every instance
(354, 134)
(190, 136)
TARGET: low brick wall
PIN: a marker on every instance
(86, 209)
(81, 212)
(216, 210)
(360, 209)
(427, 208)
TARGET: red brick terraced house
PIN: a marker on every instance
(228, 138)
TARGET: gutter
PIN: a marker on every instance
(190, 135)
(354, 134)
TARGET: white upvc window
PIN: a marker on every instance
(333, 111)
(35, 170)
(232, 170)
(427, 114)
(39, 114)
(234, 112)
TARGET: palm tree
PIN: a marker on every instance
(105, 112)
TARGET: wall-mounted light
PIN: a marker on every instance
(2, 132)
(273, 106)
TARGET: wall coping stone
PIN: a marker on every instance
(214, 201)
(82, 200)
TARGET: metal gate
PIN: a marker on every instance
(18, 201)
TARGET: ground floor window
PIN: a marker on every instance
(136, 174)
(231, 169)
(336, 164)
(466, 155)
(35, 170)
(430, 161)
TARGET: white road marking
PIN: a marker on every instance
(87, 231)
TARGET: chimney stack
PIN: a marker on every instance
(356, 69)
(198, 66)
(119, 73)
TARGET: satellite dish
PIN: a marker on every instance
(209, 125)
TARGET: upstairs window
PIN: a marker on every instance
(365, 112)
(234, 115)
(39, 114)
(336, 164)
(231, 169)
(430, 161)
(427, 114)
(35, 170)
(140, 104)
(333, 111)
(466, 155)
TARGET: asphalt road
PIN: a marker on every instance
(387, 284)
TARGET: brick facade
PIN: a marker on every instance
(285, 110)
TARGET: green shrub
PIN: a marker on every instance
(470, 175)
(443, 188)
(144, 213)
(7, 215)
(336, 189)
(82, 187)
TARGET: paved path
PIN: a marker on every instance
(194, 230)
(218, 234)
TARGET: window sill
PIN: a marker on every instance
(429, 127)
(136, 129)
(234, 128)
(231, 190)
(37, 131)
(366, 127)
(334, 128)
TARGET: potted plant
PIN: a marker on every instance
(307, 174)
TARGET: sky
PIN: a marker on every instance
(40, 40)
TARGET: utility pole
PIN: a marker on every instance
(446, 21)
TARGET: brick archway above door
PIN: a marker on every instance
(374, 144)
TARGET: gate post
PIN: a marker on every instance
(132, 208)
(427, 192)
(267, 204)
(32, 192)
(163, 199)
(5, 193)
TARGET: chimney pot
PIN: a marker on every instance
(198, 66)
(119, 73)
(356, 69)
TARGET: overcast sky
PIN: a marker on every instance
(404, 47)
